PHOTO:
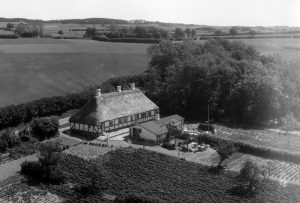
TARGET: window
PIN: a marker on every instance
(129, 118)
(152, 113)
(133, 117)
(106, 124)
(125, 119)
(143, 115)
(120, 120)
(116, 121)
(111, 123)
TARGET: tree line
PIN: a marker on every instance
(231, 80)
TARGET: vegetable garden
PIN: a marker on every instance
(278, 170)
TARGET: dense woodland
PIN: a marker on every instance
(233, 80)
(239, 84)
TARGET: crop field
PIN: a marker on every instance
(278, 170)
(87, 152)
(286, 48)
(36, 68)
(277, 140)
(169, 179)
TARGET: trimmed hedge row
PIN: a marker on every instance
(129, 40)
(247, 148)
(8, 36)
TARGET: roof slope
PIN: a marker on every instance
(113, 105)
(170, 119)
(154, 127)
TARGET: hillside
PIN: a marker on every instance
(169, 179)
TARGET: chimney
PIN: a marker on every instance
(98, 94)
(157, 116)
(132, 86)
(119, 88)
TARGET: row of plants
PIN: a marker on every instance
(253, 149)
(130, 40)
(9, 36)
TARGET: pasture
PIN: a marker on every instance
(36, 68)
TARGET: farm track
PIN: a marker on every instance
(281, 171)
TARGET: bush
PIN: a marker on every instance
(249, 179)
(168, 146)
(44, 128)
(8, 36)
(129, 40)
(31, 169)
(206, 127)
(101, 38)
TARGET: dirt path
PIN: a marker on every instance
(13, 167)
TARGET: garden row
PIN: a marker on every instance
(282, 171)
(249, 148)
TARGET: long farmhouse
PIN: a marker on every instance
(123, 109)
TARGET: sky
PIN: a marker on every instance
(201, 12)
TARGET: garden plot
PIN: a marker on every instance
(87, 152)
(278, 170)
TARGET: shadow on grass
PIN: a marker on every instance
(80, 135)
(239, 192)
(215, 170)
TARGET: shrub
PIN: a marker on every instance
(168, 145)
(206, 127)
(249, 179)
(225, 150)
(44, 128)
(31, 169)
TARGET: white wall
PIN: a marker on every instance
(145, 134)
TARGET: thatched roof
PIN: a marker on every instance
(113, 105)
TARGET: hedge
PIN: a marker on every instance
(252, 149)
(130, 40)
(8, 36)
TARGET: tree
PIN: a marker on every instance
(233, 31)
(60, 32)
(252, 33)
(218, 32)
(193, 33)
(249, 178)
(90, 32)
(44, 128)
(187, 32)
(288, 123)
(10, 26)
(225, 150)
(179, 34)
(45, 169)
